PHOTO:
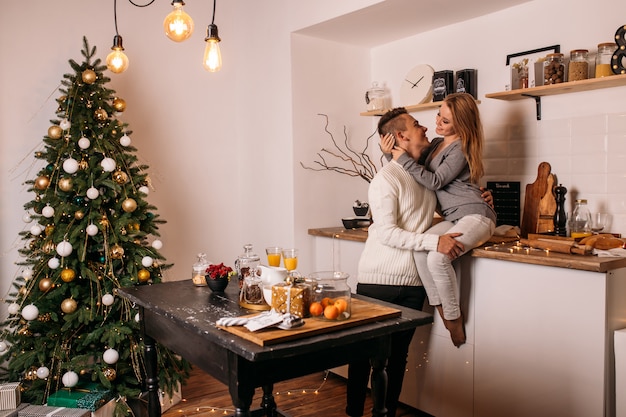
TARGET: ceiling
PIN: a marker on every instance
(390, 20)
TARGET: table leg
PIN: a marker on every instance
(379, 379)
(152, 377)
(268, 403)
(241, 391)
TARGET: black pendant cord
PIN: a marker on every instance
(213, 19)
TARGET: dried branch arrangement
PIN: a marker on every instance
(353, 163)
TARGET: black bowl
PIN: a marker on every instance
(361, 211)
(356, 222)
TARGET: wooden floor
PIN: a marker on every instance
(316, 395)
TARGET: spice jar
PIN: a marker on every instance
(603, 59)
(553, 69)
(578, 65)
(581, 220)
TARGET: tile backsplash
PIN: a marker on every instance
(587, 155)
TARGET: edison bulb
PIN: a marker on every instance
(212, 60)
(117, 61)
(178, 25)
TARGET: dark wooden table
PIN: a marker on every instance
(182, 317)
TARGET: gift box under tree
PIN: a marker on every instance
(46, 411)
(10, 396)
(86, 395)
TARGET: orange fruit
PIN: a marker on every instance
(326, 302)
(331, 312)
(341, 304)
(316, 309)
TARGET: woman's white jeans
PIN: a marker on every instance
(435, 268)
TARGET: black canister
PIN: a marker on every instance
(443, 84)
(466, 82)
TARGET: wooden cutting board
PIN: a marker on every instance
(535, 192)
(361, 312)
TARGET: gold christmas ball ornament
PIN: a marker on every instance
(143, 275)
(55, 132)
(120, 177)
(41, 182)
(49, 230)
(68, 275)
(31, 374)
(129, 205)
(45, 284)
(119, 104)
(66, 184)
(79, 214)
(101, 114)
(68, 306)
(117, 252)
(109, 373)
(83, 165)
(89, 76)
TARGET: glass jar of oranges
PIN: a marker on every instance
(332, 295)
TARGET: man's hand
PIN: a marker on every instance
(449, 246)
(387, 143)
(487, 196)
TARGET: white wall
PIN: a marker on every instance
(215, 141)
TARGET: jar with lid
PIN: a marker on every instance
(578, 65)
(580, 226)
(603, 59)
(198, 271)
(246, 264)
(375, 98)
(553, 69)
(332, 295)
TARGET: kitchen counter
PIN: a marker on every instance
(502, 252)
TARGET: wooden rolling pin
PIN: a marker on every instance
(560, 246)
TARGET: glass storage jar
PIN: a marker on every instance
(246, 264)
(578, 65)
(553, 69)
(603, 59)
(198, 271)
(375, 98)
(331, 295)
(580, 225)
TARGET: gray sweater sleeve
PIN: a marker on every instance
(453, 165)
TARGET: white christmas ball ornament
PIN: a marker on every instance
(137, 318)
(64, 248)
(125, 140)
(65, 124)
(110, 356)
(30, 312)
(13, 308)
(84, 143)
(70, 165)
(54, 263)
(108, 164)
(92, 229)
(144, 189)
(47, 211)
(146, 261)
(3, 347)
(43, 372)
(27, 218)
(108, 299)
(36, 230)
(70, 379)
(93, 193)
(157, 244)
(27, 273)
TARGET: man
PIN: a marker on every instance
(402, 210)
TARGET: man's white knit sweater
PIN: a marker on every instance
(402, 210)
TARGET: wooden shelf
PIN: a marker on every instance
(411, 109)
(554, 89)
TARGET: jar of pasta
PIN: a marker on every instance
(578, 65)
(553, 69)
(603, 59)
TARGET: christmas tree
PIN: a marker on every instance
(90, 231)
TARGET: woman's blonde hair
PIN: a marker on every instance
(466, 119)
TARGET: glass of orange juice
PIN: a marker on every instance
(290, 259)
(273, 255)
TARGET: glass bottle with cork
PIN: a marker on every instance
(580, 225)
(578, 65)
(553, 69)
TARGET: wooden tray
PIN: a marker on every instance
(361, 312)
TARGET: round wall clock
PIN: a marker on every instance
(417, 85)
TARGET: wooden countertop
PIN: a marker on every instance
(502, 252)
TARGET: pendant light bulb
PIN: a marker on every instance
(212, 60)
(178, 25)
(117, 61)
